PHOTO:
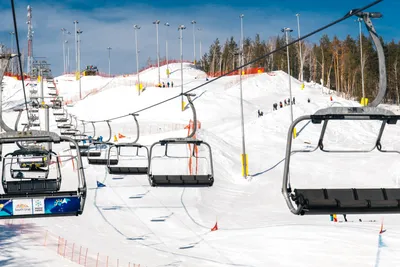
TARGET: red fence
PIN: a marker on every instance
(244, 72)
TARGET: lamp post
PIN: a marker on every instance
(194, 42)
(286, 31)
(12, 49)
(109, 61)
(157, 22)
(361, 59)
(79, 32)
(68, 69)
(244, 155)
(301, 58)
(63, 30)
(166, 48)
(200, 54)
(137, 27)
(76, 49)
(180, 29)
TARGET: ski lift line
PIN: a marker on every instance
(351, 13)
(19, 54)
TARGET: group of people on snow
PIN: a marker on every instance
(167, 85)
(285, 102)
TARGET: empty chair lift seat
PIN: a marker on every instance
(328, 201)
(182, 180)
(100, 161)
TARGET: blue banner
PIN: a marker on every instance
(35, 206)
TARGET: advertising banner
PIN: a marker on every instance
(22, 206)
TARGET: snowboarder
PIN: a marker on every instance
(260, 113)
(345, 217)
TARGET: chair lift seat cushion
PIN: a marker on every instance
(393, 194)
(376, 198)
(346, 198)
(101, 161)
(313, 198)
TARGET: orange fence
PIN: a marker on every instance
(17, 76)
(244, 72)
(69, 250)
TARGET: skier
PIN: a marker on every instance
(163, 84)
(275, 106)
(345, 217)
(288, 101)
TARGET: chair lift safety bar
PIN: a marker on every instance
(100, 147)
(351, 200)
(182, 180)
(40, 197)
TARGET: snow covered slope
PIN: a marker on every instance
(133, 222)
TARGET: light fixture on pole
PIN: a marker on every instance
(361, 60)
(109, 61)
(194, 42)
(301, 58)
(137, 27)
(79, 32)
(63, 30)
(76, 49)
(286, 32)
(157, 22)
(200, 54)
(180, 29)
(244, 155)
(166, 48)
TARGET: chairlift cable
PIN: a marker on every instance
(19, 55)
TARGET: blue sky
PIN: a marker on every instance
(109, 23)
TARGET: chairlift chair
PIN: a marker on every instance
(98, 148)
(31, 191)
(114, 165)
(305, 201)
(181, 180)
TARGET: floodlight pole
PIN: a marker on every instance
(301, 58)
(361, 59)
(137, 27)
(157, 22)
(200, 54)
(63, 30)
(244, 155)
(79, 32)
(109, 61)
(286, 31)
(76, 47)
(68, 69)
(12, 48)
(180, 29)
(194, 41)
(166, 49)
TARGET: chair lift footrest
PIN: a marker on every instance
(32, 186)
(182, 180)
(128, 170)
(347, 201)
(101, 161)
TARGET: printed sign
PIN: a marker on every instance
(61, 205)
(38, 206)
(22, 206)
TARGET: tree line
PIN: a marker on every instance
(332, 62)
